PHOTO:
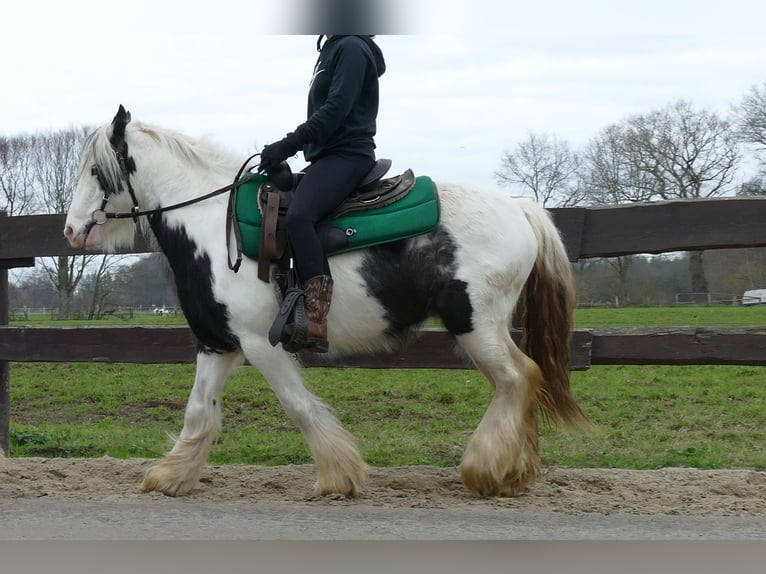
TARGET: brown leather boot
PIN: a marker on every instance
(318, 292)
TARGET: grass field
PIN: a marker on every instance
(646, 416)
(718, 316)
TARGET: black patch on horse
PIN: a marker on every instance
(414, 284)
(207, 318)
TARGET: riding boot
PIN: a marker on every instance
(318, 293)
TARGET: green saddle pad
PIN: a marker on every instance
(414, 214)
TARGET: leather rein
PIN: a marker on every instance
(126, 163)
(127, 166)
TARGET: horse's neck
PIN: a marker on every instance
(186, 232)
(182, 169)
(178, 182)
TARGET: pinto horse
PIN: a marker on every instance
(488, 252)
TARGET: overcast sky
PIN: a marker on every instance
(469, 79)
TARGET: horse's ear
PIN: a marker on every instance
(120, 121)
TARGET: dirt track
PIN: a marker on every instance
(686, 492)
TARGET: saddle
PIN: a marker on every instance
(274, 198)
(379, 211)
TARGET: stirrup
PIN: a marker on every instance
(316, 346)
(290, 326)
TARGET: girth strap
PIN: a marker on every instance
(268, 243)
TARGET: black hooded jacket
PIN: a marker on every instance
(343, 99)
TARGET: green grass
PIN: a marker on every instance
(713, 316)
(719, 316)
(658, 416)
(646, 416)
(144, 319)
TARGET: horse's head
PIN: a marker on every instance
(103, 185)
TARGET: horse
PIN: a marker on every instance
(488, 252)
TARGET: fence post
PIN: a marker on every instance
(5, 379)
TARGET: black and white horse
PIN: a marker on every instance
(488, 250)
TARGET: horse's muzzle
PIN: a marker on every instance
(75, 239)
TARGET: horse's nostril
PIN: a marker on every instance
(69, 231)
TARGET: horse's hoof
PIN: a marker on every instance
(484, 483)
(347, 489)
(161, 479)
(348, 483)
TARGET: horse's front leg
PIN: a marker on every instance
(179, 471)
(340, 467)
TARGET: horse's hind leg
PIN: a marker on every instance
(179, 471)
(502, 458)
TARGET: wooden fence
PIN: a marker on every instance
(587, 232)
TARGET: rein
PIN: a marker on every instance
(100, 216)
(127, 165)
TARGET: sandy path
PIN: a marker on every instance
(674, 491)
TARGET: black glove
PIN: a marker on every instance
(275, 153)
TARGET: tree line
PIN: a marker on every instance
(38, 174)
(678, 151)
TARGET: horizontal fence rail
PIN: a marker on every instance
(432, 349)
(609, 231)
(662, 227)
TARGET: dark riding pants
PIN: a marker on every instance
(326, 183)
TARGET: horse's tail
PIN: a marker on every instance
(548, 305)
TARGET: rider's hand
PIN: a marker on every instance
(275, 153)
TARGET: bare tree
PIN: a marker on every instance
(695, 154)
(611, 173)
(673, 152)
(100, 285)
(609, 176)
(16, 175)
(751, 117)
(753, 187)
(57, 158)
(691, 153)
(543, 167)
(56, 161)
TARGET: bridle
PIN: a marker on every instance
(128, 166)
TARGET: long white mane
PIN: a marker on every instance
(152, 145)
(97, 149)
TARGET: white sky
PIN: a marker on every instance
(470, 80)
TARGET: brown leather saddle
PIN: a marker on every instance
(275, 195)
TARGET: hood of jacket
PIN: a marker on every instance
(377, 53)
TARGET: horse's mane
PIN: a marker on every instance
(195, 151)
(97, 149)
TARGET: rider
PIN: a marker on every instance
(337, 140)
